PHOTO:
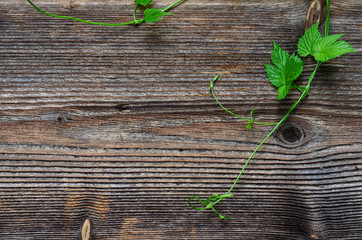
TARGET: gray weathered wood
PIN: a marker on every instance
(117, 124)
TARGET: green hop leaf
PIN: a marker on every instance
(308, 40)
(328, 48)
(285, 70)
(322, 48)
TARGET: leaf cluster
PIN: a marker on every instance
(287, 68)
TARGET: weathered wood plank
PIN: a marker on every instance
(117, 125)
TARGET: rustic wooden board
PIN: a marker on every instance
(117, 124)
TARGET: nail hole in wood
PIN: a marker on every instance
(60, 119)
(63, 119)
(122, 107)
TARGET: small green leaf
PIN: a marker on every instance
(322, 48)
(144, 3)
(284, 71)
(274, 75)
(307, 42)
(329, 48)
(154, 14)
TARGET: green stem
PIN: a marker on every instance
(172, 5)
(297, 87)
(78, 19)
(327, 20)
(230, 112)
(135, 21)
(304, 94)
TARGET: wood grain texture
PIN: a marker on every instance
(117, 124)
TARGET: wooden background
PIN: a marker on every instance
(117, 124)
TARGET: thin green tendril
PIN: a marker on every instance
(211, 201)
(250, 121)
(172, 5)
(134, 13)
(135, 21)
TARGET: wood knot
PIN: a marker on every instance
(291, 134)
(86, 230)
(315, 13)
